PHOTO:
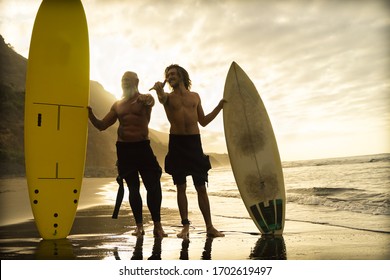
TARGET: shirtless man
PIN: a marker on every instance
(185, 155)
(134, 153)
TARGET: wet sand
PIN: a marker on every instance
(96, 236)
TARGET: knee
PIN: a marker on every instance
(152, 186)
(201, 189)
(132, 183)
(134, 194)
(181, 188)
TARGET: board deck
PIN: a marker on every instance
(56, 118)
(253, 152)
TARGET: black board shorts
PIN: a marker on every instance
(136, 156)
(185, 157)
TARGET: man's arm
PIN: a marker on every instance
(206, 119)
(106, 122)
(146, 100)
(159, 88)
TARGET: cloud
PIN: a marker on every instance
(321, 67)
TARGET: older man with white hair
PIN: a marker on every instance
(135, 155)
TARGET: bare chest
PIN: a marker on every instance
(126, 111)
(186, 102)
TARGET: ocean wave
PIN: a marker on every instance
(341, 199)
(378, 207)
(323, 191)
(227, 194)
(338, 161)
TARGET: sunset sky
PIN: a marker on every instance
(321, 67)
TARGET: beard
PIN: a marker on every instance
(130, 92)
(173, 84)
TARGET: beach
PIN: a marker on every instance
(308, 235)
(95, 236)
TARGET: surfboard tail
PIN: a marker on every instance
(269, 218)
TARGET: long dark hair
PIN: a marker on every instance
(182, 73)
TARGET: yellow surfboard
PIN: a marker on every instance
(56, 118)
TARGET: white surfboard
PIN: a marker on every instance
(56, 117)
(253, 153)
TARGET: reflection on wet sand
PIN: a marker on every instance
(157, 249)
(138, 250)
(184, 249)
(266, 248)
(206, 254)
(59, 249)
(21, 241)
(269, 248)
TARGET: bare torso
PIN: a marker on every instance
(182, 112)
(133, 119)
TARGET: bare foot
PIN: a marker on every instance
(212, 232)
(158, 230)
(139, 231)
(185, 232)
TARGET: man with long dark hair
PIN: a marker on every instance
(185, 155)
